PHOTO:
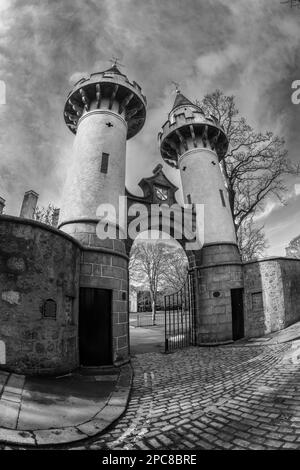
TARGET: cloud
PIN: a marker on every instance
(270, 207)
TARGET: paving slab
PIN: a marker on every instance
(16, 437)
(58, 436)
(9, 412)
(3, 380)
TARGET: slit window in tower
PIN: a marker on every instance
(189, 199)
(222, 197)
(104, 162)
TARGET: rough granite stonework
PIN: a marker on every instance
(104, 265)
(38, 263)
(278, 280)
(220, 271)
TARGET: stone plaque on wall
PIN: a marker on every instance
(257, 301)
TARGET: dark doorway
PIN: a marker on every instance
(95, 341)
(237, 309)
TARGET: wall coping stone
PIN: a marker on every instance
(219, 243)
(226, 263)
(35, 223)
(271, 258)
(106, 251)
(56, 231)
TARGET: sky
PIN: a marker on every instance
(246, 48)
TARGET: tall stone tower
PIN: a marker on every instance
(195, 143)
(103, 111)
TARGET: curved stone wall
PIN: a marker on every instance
(39, 279)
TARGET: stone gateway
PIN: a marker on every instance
(64, 293)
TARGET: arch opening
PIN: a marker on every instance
(158, 266)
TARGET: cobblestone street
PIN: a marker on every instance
(232, 397)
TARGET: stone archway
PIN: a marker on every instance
(151, 188)
(160, 191)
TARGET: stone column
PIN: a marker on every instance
(29, 204)
(86, 185)
(202, 183)
(55, 217)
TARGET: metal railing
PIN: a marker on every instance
(144, 319)
(179, 317)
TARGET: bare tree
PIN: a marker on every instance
(293, 248)
(255, 165)
(45, 214)
(156, 264)
(175, 270)
(251, 240)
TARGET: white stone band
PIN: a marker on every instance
(195, 150)
(102, 111)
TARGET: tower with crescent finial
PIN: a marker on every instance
(195, 144)
(103, 111)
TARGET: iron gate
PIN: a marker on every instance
(180, 317)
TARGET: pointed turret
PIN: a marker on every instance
(186, 127)
(114, 69)
(109, 89)
(181, 100)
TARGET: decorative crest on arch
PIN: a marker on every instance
(157, 189)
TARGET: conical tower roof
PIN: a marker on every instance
(114, 69)
(181, 100)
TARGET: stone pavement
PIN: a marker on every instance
(230, 397)
(239, 396)
(40, 411)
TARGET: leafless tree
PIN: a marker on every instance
(255, 166)
(157, 265)
(251, 240)
(45, 214)
(293, 248)
(175, 269)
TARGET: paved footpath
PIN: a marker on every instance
(232, 397)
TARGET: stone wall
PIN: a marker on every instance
(271, 296)
(104, 265)
(220, 271)
(39, 285)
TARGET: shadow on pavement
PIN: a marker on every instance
(145, 340)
